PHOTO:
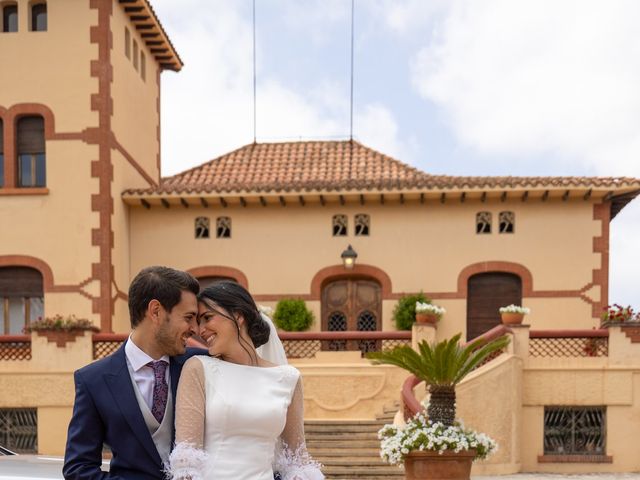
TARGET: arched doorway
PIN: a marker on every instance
(486, 293)
(351, 304)
(210, 280)
(21, 298)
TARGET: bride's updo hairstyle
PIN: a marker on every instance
(235, 299)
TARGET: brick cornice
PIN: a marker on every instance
(336, 272)
(220, 271)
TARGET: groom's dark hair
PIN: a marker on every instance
(158, 283)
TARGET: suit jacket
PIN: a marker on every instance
(106, 412)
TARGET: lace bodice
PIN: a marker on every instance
(229, 419)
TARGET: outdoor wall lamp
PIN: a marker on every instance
(349, 257)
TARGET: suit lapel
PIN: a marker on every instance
(119, 382)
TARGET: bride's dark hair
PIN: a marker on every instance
(236, 300)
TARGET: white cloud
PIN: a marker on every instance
(207, 108)
(545, 77)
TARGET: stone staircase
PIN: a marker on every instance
(351, 449)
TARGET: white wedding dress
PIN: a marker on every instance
(238, 422)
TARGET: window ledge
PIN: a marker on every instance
(24, 191)
(575, 459)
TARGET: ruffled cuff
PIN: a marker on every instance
(187, 462)
(297, 464)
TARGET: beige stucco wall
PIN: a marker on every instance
(41, 62)
(420, 247)
(135, 109)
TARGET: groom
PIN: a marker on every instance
(126, 401)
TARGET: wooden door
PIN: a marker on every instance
(486, 293)
(351, 305)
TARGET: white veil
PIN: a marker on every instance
(273, 350)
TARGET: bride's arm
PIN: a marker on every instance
(293, 462)
(188, 459)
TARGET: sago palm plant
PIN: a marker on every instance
(441, 366)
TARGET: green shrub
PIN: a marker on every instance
(404, 313)
(292, 315)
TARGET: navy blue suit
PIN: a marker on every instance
(106, 411)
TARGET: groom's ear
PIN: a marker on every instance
(153, 311)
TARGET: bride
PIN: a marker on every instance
(239, 416)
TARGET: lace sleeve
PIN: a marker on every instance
(293, 462)
(188, 460)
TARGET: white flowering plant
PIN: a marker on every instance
(268, 311)
(430, 309)
(515, 309)
(420, 434)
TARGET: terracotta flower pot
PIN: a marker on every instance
(512, 318)
(421, 465)
(429, 318)
(60, 337)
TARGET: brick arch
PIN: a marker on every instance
(219, 271)
(336, 272)
(32, 262)
(27, 109)
(495, 266)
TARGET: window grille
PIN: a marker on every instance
(574, 430)
(340, 225)
(367, 323)
(202, 227)
(337, 323)
(223, 227)
(362, 224)
(483, 222)
(507, 222)
(19, 429)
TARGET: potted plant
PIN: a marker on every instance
(59, 329)
(404, 312)
(428, 312)
(292, 315)
(437, 446)
(513, 314)
(614, 314)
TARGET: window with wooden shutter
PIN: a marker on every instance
(31, 152)
(21, 298)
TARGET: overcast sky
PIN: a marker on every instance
(468, 87)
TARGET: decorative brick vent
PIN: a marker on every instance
(589, 343)
(15, 347)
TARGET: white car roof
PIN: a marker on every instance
(33, 467)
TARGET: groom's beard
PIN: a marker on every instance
(169, 341)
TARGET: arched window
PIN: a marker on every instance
(10, 17)
(507, 222)
(21, 298)
(1, 154)
(127, 43)
(31, 152)
(223, 227)
(362, 225)
(135, 55)
(143, 66)
(39, 17)
(483, 222)
(202, 227)
(339, 223)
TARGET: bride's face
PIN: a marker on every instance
(217, 329)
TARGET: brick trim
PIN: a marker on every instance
(496, 266)
(220, 271)
(602, 212)
(575, 459)
(123, 151)
(102, 168)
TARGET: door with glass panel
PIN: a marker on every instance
(352, 305)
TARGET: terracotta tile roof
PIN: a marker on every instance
(339, 166)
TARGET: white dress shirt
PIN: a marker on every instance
(142, 373)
